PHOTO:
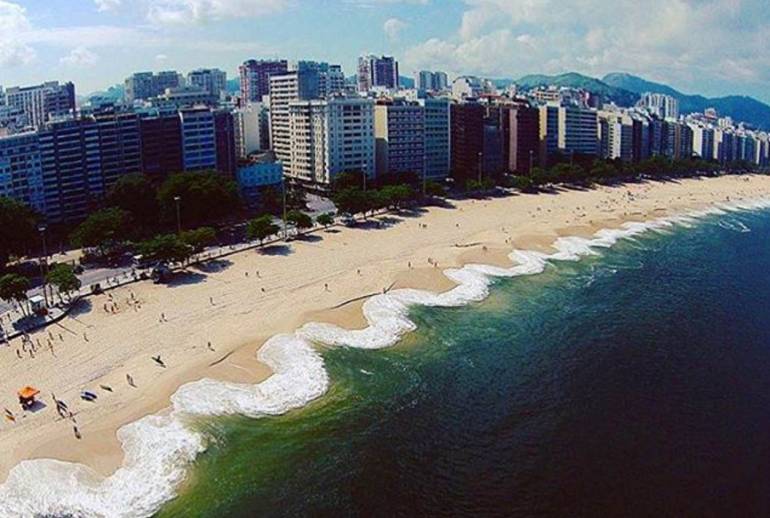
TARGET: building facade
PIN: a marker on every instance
(199, 145)
(42, 103)
(145, 85)
(255, 78)
(329, 137)
(377, 71)
(399, 130)
(210, 80)
(21, 172)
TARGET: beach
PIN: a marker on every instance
(211, 322)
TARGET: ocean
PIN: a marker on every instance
(634, 382)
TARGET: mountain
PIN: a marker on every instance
(618, 95)
(406, 82)
(739, 107)
(115, 93)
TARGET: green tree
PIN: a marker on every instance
(13, 287)
(326, 219)
(261, 228)
(299, 219)
(434, 189)
(101, 230)
(138, 197)
(63, 277)
(17, 228)
(204, 197)
(350, 201)
(199, 238)
(168, 248)
(397, 195)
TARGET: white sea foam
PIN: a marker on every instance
(159, 449)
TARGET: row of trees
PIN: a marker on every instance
(608, 170)
(14, 287)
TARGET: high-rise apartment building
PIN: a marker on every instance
(427, 81)
(331, 79)
(399, 130)
(329, 137)
(42, 103)
(467, 139)
(71, 163)
(145, 85)
(199, 145)
(161, 146)
(660, 105)
(524, 138)
(120, 144)
(284, 90)
(211, 80)
(226, 148)
(255, 78)
(21, 172)
(377, 71)
(437, 137)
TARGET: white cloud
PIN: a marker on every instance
(161, 58)
(13, 51)
(684, 41)
(107, 5)
(80, 57)
(393, 28)
(197, 11)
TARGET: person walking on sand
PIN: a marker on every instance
(211, 348)
(130, 380)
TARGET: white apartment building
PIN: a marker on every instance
(661, 105)
(329, 137)
(252, 129)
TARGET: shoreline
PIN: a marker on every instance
(538, 232)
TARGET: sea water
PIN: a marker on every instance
(635, 382)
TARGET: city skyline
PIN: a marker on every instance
(98, 43)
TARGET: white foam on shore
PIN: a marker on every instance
(160, 448)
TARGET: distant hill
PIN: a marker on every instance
(115, 92)
(233, 85)
(618, 95)
(739, 107)
(406, 82)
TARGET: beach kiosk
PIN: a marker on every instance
(37, 303)
(27, 397)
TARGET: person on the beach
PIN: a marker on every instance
(130, 380)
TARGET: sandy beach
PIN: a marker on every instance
(211, 322)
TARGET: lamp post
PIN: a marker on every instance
(178, 200)
(285, 223)
(44, 262)
(480, 156)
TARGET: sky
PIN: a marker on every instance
(713, 47)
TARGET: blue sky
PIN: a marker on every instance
(714, 47)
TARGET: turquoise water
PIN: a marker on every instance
(634, 383)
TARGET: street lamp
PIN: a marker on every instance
(178, 200)
(43, 261)
(480, 156)
(285, 223)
